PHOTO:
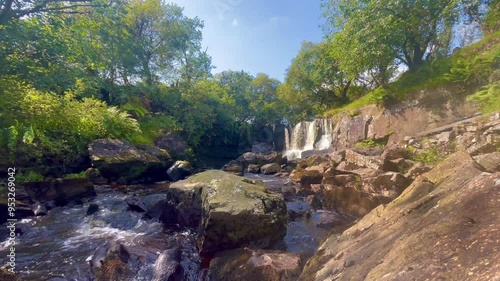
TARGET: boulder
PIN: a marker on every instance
(39, 209)
(359, 160)
(95, 176)
(306, 178)
(5, 275)
(400, 165)
(253, 168)
(329, 220)
(235, 167)
(417, 170)
(168, 266)
(109, 263)
(61, 191)
(262, 147)
(23, 210)
(117, 158)
(449, 214)
(249, 264)
(231, 208)
(174, 144)
(92, 209)
(270, 169)
(180, 170)
(489, 161)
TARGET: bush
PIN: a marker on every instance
(31, 176)
(81, 175)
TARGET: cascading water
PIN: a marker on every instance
(309, 135)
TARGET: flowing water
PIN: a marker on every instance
(309, 135)
(58, 246)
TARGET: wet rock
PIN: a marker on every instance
(109, 263)
(95, 176)
(231, 209)
(297, 209)
(61, 191)
(159, 207)
(413, 226)
(117, 158)
(252, 169)
(306, 178)
(289, 193)
(5, 275)
(328, 220)
(135, 204)
(490, 161)
(248, 264)
(167, 267)
(314, 201)
(236, 168)
(270, 169)
(180, 170)
(262, 147)
(39, 209)
(92, 209)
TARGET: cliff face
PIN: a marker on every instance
(443, 227)
(427, 110)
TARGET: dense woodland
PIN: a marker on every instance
(74, 71)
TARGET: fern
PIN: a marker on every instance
(12, 139)
(119, 124)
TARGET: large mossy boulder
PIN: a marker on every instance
(234, 212)
(445, 225)
(119, 159)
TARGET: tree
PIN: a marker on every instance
(16, 9)
(263, 101)
(485, 13)
(371, 34)
(314, 73)
(237, 85)
(165, 41)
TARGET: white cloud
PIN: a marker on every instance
(279, 20)
(235, 22)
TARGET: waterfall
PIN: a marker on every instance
(308, 135)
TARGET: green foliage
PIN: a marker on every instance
(81, 175)
(428, 157)
(488, 98)
(370, 143)
(374, 35)
(119, 124)
(30, 176)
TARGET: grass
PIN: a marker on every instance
(470, 68)
(370, 143)
(31, 176)
(81, 175)
(427, 157)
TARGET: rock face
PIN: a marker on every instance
(234, 212)
(180, 170)
(247, 264)
(117, 158)
(445, 225)
(61, 191)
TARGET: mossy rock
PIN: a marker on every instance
(234, 212)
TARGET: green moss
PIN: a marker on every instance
(428, 157)
(31, 176)
(370, 143)
(81, 175)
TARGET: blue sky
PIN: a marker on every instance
(255, 35)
